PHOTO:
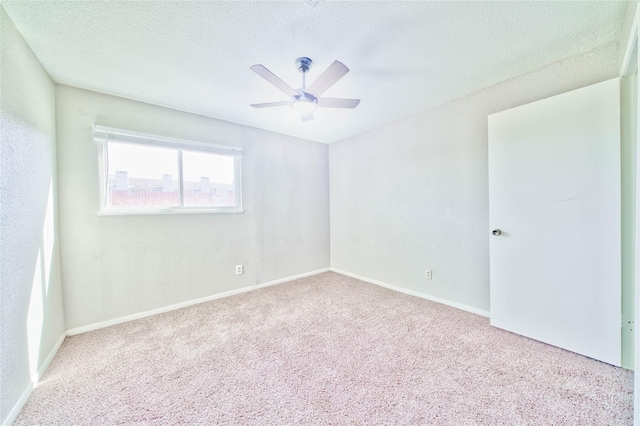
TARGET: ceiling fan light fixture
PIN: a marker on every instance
(304, 104)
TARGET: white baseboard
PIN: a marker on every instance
(415, 293)
(180, 305)
(287, 279)
(27, 392)
(47, 362)
(19, 404)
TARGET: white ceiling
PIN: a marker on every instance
(405, 57)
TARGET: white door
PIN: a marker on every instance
(554, 196)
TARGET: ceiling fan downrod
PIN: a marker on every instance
(303, 64)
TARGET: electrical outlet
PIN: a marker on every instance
(427, 274)
(239, 270)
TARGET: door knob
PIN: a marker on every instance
(496, 232)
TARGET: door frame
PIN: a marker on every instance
(629, 67)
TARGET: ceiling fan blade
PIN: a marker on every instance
(307, 117)
(271, 104)
(335, 72)
(338, 102)
(274, 79)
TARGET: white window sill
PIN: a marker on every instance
(125, 212)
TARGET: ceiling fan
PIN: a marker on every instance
(305, 100)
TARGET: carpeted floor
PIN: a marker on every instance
(321, 350)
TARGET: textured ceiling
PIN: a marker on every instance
(405, 57)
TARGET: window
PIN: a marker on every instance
(142, 173)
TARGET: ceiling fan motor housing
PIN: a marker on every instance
(303, 64)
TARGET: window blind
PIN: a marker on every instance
(110, 134)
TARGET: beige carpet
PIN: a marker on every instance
(326, 349)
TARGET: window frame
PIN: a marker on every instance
(102, 135)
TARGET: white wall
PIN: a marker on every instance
(116, 266)
(31, 309)
(414, 195)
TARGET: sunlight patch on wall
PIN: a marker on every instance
(40, 287)
(35, 318)
(48, 239)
